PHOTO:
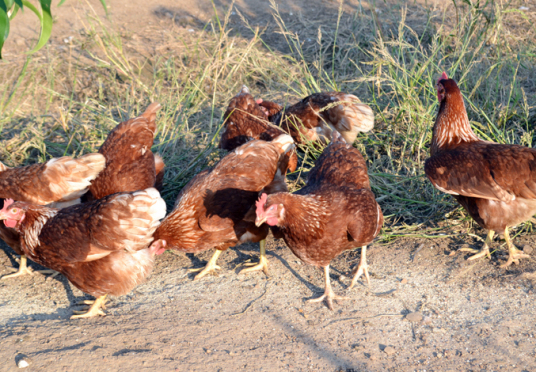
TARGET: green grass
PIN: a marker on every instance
(65, 102)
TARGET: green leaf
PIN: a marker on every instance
(14, 12)
(4, 25)
(46, 24)
(19, 3)
(61, 2)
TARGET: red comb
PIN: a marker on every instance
(444, 76)
(7, 203)
(260, 204)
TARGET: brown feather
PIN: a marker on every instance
(130, 163)
(102, 247)
(495, 183)
(212, 210)
(244, 121)
(315, 117)
(335, 211)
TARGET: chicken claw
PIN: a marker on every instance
(211, 266)
(25, 270)
(485, 249)
(514, 254)
(361, 269)
(94, 310)
(263, 261)
(328, 295)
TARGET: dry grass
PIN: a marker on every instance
(65, 102)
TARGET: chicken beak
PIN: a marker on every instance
(260, 221)
(2, 216)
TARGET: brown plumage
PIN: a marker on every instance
(496, 184)
(335, 211)
(60, 181)
(244, 121)
(216, 208)
(315, 117)
(130, 163)
(103, 247)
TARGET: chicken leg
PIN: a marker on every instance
(211, 266)
(362, 268)
(328, 295)
(485, 249)
(25, 270)
(514, 254)
(263, 261)
(94, 310)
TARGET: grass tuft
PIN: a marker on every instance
(64, 102)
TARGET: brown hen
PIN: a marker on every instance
(334, 212)
(316, 116)
(61, 181)
(103, 247)
(216, 208)
(244, 121)
(130, 163)
(495, 183)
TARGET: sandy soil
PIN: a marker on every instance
(475, 316)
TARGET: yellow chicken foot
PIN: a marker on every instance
(94, 310)
(362, 268)
(211, 266)
(485, 249)
(263, 261)
(514, 254)
(328, 295)
(25, 270)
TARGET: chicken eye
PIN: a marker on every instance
(14, 210)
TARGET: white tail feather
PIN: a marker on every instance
(69, 178)
(285, 141)
(140, 217)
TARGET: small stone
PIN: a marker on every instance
(527, 249)
(404, 281)
(389, 350)
(427, 320)
(452, 253)
(20, 41)
(414, 317)
(373, 357)
(23, 363)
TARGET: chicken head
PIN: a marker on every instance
(271, 214)
(440, 87)
(12, 214)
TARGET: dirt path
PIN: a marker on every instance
(476, 316)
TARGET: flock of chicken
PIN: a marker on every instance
(99, 219)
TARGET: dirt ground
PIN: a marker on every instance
(475, 316)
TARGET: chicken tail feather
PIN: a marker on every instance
(69, 178)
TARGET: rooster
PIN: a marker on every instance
(334, 212)
(103, 247)
(216, 209)
(61, 181)
(494, 183)
(130, 163)
(246, 120)
(316, 116)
